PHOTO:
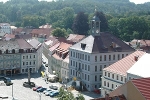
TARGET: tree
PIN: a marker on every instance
(104, 23)
(66, 95)
(80, 24)
(59, 32)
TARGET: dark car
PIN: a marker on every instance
(53, 87)
(55, 93)
(37, 87)
(41, 89)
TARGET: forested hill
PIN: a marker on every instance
(123, 18)
(14, 8)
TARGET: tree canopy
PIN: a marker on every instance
(80, 24)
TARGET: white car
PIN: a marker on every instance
(45, 91)
(48, 93)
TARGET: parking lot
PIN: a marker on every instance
(22, 93)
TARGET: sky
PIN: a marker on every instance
(135, 1)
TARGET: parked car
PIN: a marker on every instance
(53, 87)
(48, 93)
(37, 87)
(41, 89)
(46, 65)
(55, 93)
(47, 90)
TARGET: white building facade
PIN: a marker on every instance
(18, 56)
(5, 28)
(116, 74)
(95, 52)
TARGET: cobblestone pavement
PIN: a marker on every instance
(22, 93)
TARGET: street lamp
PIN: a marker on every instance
(40, 95)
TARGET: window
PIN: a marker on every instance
(114, 57)
(88, 77)
(74, 63)
(104, 57)
(88, 67)
(30, 56)
(104, 83)
(108, 74)
(34, 56)
(26, 57)
(112, 76)
(34, 62)
(104, 66)
(85, 66)
(71, 71)
(23, 57)
(30, 62)
(117, 77)
(85, 76)
(100, 68)
(100, 58)
(22, 70)
(109, 57)
(95, 86)
(80, 56)
(82, 66)
(85, 57)
(105, 73)
(88, 58)
(95, 58)
(23, 63)
(107, 84)
(100, 77)
(95, 78)
(112, 86)
(118, 56)
(95, 68)
(76, 55)
(26, 63)
(73, 54)
(121, 78)
(71, 62)
(122, 55)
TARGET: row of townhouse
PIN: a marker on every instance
(134, 66)
(18, 55)
(58, 54)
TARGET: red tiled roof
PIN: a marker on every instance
(42, 31)
(64, 46)
(54, 47)
(117, 97)
(23, 44)
(123, 65)
(9, 36)
(143, 86)
(18, 30)
(75, 37)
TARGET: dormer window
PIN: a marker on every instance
(83, 45)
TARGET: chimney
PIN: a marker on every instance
(107, 97)
(136, 58)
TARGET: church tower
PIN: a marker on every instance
(95, 25)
